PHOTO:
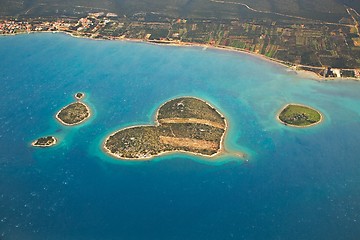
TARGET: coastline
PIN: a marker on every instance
(73, 124)
(290, 66)
(309, 75)
(295, 126)
(317, 77)
(220, 151)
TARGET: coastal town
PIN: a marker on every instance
(330, 50)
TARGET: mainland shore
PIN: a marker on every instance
(291, 66)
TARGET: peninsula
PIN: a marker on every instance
(185, 124)
(73, 114)
(296, 115)
(44, 142)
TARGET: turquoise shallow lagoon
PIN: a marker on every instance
(297, 184)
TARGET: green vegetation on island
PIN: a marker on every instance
(299, 116)
(74, 113)
(79, 95)
(184, 124)
(190, 108)
(44, 142)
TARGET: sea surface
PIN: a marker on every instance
(295, 184)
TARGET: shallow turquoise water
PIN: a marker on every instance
(298, 183)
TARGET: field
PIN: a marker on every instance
(315, 34)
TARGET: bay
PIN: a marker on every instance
(296, 184)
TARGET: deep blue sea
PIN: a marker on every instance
(297, 184)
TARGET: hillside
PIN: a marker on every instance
(326, 10)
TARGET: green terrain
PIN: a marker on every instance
(328, 10)
(45, 142)
(299, 116)
(79, 96)
(308, 35)
(74, 113)
(184, 124)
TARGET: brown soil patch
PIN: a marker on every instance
(192, 120)
(188, 142)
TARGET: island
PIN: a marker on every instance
(73, 114)
(185, 124)
(44, 142)
(79, 96)
(297, 115)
